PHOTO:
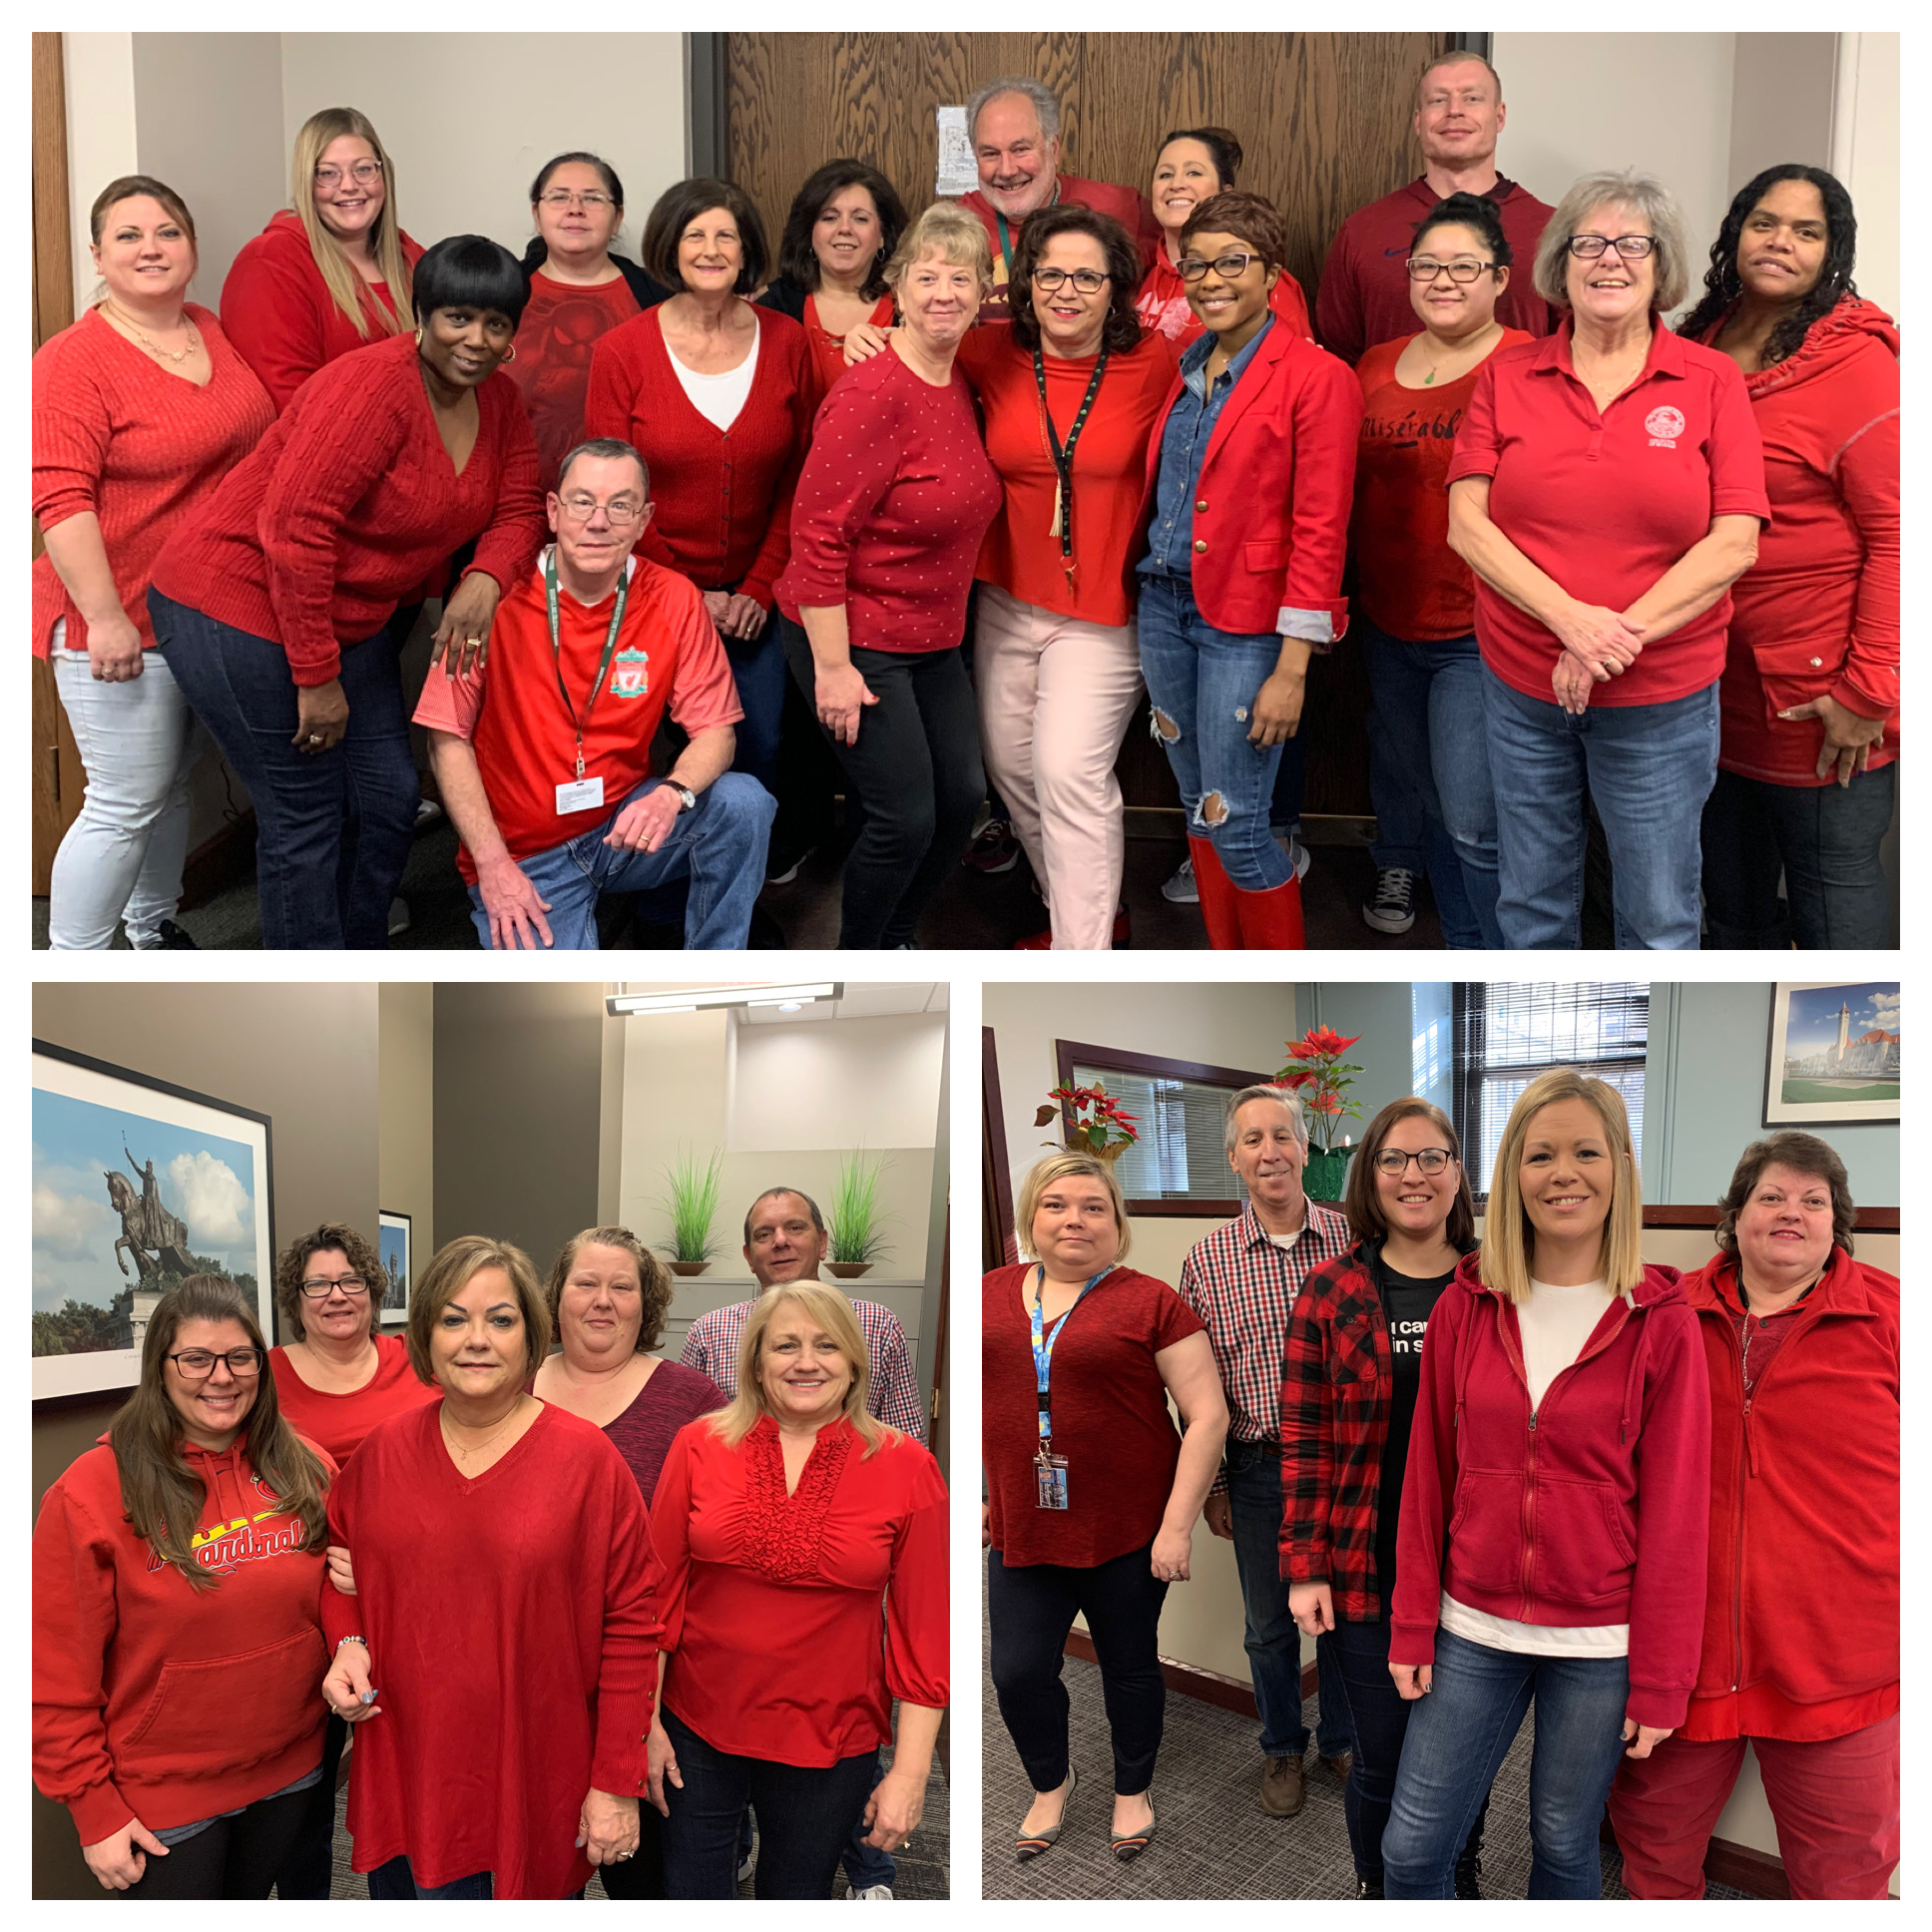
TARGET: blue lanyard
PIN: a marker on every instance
(1043, 1345)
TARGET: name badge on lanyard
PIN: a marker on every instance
(1050, 1470)
(579, 794)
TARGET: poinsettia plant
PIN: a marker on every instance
(1095, 1121)
(1321, 1077)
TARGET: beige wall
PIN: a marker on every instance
(1865, 137)
(406, 1117)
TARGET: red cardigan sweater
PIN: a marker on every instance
(115, 434)
(349, 502)
(723, 496)
(278, 313)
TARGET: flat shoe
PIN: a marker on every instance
(1027, 1844)
(1128, 1845)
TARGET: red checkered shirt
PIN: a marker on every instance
(1242, 1287)
(710, 1347)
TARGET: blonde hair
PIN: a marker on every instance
(955, 234)
(346, 288)
(839, 1319)
(451, 1269)
(1508, 1237)
(1641, 194)
(1061, 1167)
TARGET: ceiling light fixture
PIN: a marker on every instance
(789, 998)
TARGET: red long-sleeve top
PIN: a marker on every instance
(722, 496)
(771, 1602)
(512, 1621)
(278, 313)
(339, 1423)
(349, 502)
(116, 434)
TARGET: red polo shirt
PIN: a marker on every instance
(1607, 502)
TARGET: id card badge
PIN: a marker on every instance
(582, 794)
(1050, 1482)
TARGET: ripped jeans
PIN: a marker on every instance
(1203, 682)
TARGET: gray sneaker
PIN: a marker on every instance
(1181, 889)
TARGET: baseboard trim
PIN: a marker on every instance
(1760, 1873)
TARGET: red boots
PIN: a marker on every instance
(1239, 921)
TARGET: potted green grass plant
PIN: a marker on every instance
(857, 1225)
(690, 1207)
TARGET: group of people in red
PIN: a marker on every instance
(1484, 1475)
(582, 1610)
(713, 573)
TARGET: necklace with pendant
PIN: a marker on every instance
(1435, 370)
(153, 347)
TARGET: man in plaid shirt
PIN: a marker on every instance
(1242, 1282)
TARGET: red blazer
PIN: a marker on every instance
(1270, 523)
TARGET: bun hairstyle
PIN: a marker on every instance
(537, 252)
(1479, 215)
(1222, 148)
(123, 188)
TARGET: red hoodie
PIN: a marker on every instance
(1541, 1507)
(155, 1701)
(1818, 614)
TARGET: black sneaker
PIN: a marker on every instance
(1393, 907)
(172, 940)
(1369, 1888)
(1469, 1879)
(994, 848)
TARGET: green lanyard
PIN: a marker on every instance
(1063, 459)
(1006, 243)
(557, 649)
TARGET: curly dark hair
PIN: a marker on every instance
(653, 1278)
(797, 256)
(1121, 330)
(1476, 212)
(1803, 1153)
(1254, 218)
(1722, 285)
(678, 206)
(1223, 149)
(291, 1265)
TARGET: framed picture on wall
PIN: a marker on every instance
(1833, 1055)
(393, 1246)
(137, 1184)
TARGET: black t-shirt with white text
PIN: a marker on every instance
(1406, 1302)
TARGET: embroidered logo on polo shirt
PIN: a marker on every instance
(1666, 425)
(631, 674)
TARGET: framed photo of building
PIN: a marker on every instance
(1833, 1054)
(393, 1246)
(136, 1184)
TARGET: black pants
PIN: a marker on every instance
(1030, 1609)
(641, 1875)
(396, 1878)
(310, 1865)
(1823, 838)
(235, 1857)
(917, 775)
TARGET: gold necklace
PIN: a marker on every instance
(154, 348)
(442, 1416)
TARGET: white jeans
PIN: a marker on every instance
(123, 855)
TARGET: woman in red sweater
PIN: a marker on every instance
(782, 1522)
(716, 394)
(177, 1666)
(1807, 768)
(331, 272)
(273, 608)
(1552, 1540)
(1801, 1345)
(140, 409)
(894, 498)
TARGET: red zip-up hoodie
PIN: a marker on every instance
(156, 1700)
(1533, 1515)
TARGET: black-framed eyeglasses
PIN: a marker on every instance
(1429, 1159)
(1229, 267)
(1090, 282)
(197, 1364)
(363, 172)
(1633, 247)
(350, 1285)
(1463, 269)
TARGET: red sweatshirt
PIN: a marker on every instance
(155, 1701)
(349, 502)
(1804, 1491)
(278, 313)
(1543, 1508)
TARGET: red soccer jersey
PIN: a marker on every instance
(1127, 205)
(561, 326)
(1162, 304)
(1607, 502)
(339, 1423)
(526, 743)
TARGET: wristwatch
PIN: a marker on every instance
(687, 799)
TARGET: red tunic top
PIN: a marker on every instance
(348, 502)
(828, 361)
(562, 323)
(894, 498)
(339, 1423)
(723, 496)
(278, 313)
(1110, 1416)
(1127, 205)
(1411, 582)
(115, 434)
(512, 1625)
(1162, 304)
(1607, 502)
(771, 1602)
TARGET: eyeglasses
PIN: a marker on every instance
(197, 1364)
(622, 513)
(364, 172)
(1229, 267)
(350, 1285)
(1429, 1161)
(1463, 269)
(1633, 247)
(1090, 282)
(563, 198)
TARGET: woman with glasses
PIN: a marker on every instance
(332, 271)
(1353, 1373)
(1607, 489)
(178, 1651)
(1428, 773)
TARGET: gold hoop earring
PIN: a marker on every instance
(419, 335)
(512, 355)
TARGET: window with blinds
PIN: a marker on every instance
(1181, 1154)
(1505, 1033)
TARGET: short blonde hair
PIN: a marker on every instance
(450, 1270)
(951, 233)
(1643, 195)
(1509, 1240)
(1061, 1167)
(839, 1319)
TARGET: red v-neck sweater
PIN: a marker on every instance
(349, 502)
(723, 496)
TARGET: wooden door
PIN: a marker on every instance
(1323, 118)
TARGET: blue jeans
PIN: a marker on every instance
(1458, 1736)
(1428, 775)
(1202, 684)
(718, 845)
(332, 828)
(1272, 1642)
(759, 670)
(867, 1865)
(1647, 768)
(395, 1879)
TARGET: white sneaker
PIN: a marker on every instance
(1181, 889)
(745, 1869)
(1296, 853)
(871, 1891)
